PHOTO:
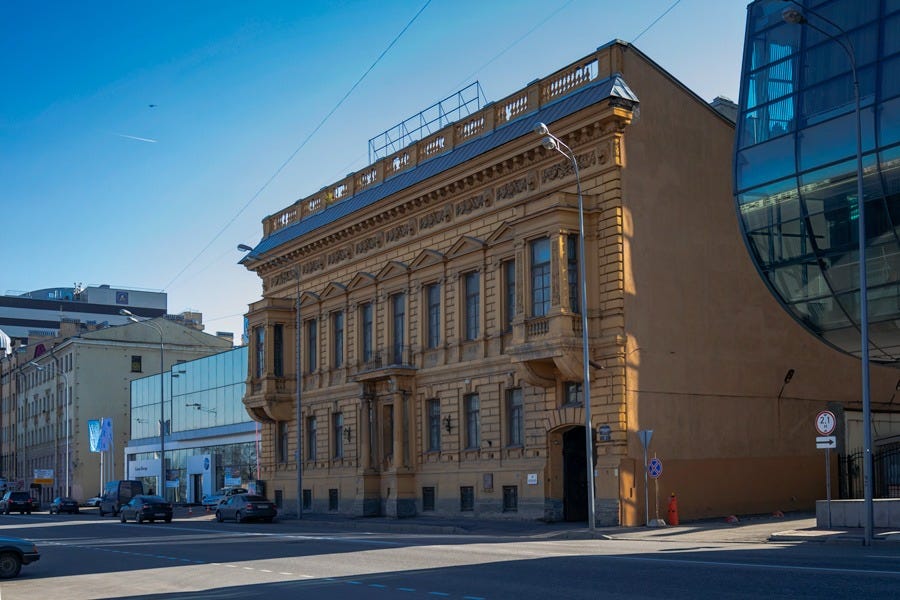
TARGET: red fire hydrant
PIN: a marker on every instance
(673, 510)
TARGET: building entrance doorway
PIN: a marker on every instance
(575, 492)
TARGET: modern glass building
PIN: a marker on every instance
(210, 439)
(795, 168)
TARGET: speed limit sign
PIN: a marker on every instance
(825, 422)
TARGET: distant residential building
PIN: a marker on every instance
(210, 442)
(40, 312)
(92, 370)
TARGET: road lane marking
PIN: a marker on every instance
(779, 567)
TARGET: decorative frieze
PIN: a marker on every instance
(483, 200)
(442, 215)
(515, 187)
(564, 168)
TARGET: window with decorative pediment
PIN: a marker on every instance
(337, 338)
(312, 344)
(540, 277)
(508, 281)
(366, 330)
(572, 271)
(472, 300)
(398, 327)
(433, 300)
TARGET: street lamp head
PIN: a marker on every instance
(793, 16)
(550, 143)
(541, 129)
(127, 313)
(36, 366)
(244, 248)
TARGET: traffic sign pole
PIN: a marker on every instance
(828, 484)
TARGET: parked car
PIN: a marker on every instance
(62, 504)
(15, 552)
(95, 501)
(21, 502)
(146, 508)
(212, 500)
(246, 507)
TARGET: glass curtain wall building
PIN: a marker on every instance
(206, 426)
(795, 169)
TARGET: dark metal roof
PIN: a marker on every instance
(612, 87)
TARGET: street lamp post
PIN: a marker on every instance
(162, 399)
(57, 371)
(795, 16)
(551, 142)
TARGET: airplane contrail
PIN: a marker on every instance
(133, 137)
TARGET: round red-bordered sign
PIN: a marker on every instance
(825, 422)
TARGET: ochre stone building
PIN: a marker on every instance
(440, 340)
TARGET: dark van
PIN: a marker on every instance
(117, 494)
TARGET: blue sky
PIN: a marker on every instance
(98, 186)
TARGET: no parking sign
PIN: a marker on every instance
(654, 468)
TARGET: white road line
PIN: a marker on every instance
(779, 567)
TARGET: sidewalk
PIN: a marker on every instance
(792, 528)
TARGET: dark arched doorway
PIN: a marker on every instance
(575, 492)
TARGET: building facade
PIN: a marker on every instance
(431, 304)
(40, 312)
(48, 398)
(796, 170)
(210, 442)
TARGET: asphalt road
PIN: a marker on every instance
(84, 557)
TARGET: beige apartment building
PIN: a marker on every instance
(440, 339)
(82, 376)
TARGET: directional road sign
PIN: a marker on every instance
(826, 442)
(654, 468)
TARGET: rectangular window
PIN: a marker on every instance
(433, 298)
(515, 414)
(307, 499)
(367, 330)
(472, 301)
(135, 364)
(473, 421)
(338, 435)
(312, 343)
(572, 271)
(510, 498)
(278, 347)
(337, 333)
(427, 499)
(311, 441)
(434, 425)
(573, 393)
(466, 498)
(259, 340)
(332, 499)
(398, 305)
(282, 441)
(509, 294)
(540, 277)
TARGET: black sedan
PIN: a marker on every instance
(64, 504)
(146, 508)
(246, 507)
(15, 552)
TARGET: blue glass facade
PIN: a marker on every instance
(205, 415)
(795, 169)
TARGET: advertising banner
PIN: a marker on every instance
(94, 434)
(172, 478)
(43, 476)
(232, 475)
(106, 435)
